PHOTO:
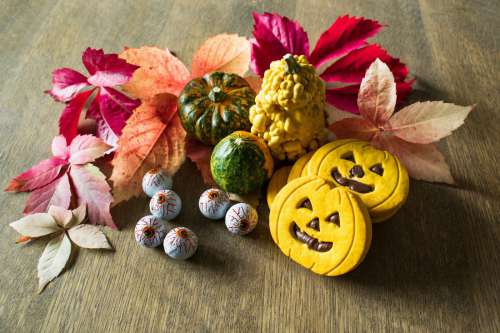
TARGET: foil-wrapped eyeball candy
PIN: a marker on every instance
(214, 203)
(165, 204)
(241, 219)
(156, 180)
(180, 243)
(150, 231)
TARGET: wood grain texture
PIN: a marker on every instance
(433, 267)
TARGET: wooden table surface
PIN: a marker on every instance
(433, 267)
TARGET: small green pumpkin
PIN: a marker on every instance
(213, 106)
(241, 163)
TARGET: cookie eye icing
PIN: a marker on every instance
(306, 203)
(349, 156)
(378, 169)
(334, 218)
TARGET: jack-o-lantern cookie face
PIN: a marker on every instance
(324, 228)
(375, 175)
(278, 180)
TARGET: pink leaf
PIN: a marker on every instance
(352, 67)
(344, 98)
(356, 128)
(86, 148)
(377, 94)
(275, 36)
(345, 34)
(427, 122)
(423, 162)
(200, 155)
(68, 122)
(223, 53)
(159, 72)
(60, 147)
(91, 188)
(115, 108)
(66, 83)
(56, 193)
(37, 176)
(102, 129)
(107, 70)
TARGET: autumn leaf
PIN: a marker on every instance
(222, 53)
(159, 72)
(341, 55)
(53, 260)
(152, 138)
(68, 175)
(200, 155)
(409, 133)
(109, 107)
(65, 225)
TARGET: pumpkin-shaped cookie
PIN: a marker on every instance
(278, 180)
(324, 228)
(375, 175)
(299, 168)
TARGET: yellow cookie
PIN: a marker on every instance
(324, 228)
(377, 176)
(278, 180)
(299, 168)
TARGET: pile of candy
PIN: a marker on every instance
(165, 205)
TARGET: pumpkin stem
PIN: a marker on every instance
(292, 66)
(216, 94)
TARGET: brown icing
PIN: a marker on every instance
(310, 241)
(378, 169)
(357, 171)
(352, 184)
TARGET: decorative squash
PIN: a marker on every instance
(324, 228)
(213, 106)
(241, 163)
(289, 111)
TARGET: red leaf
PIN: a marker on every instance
(56, 193)
(86, 148)
(60, 147)
(344, 98)
(66, 83)
(107, 70)
(153, 137)
(345, 34)
(423, 162)
(275, 36)
(68, 122)
(352, 67)
(356, 128)
(200, 155)
(223, 53)
(377, 94)
(115, 108)
(37, 176)
(92, 189)
(426, 122)
(159, 72)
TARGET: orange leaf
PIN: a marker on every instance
(160, 72)
(225, 53)
(423, 162)
(153, 137)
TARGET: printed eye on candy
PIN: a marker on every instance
(324, 126)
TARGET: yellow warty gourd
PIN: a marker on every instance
(289, 109)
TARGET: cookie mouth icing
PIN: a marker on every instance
(311, 242)
(351, 184)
